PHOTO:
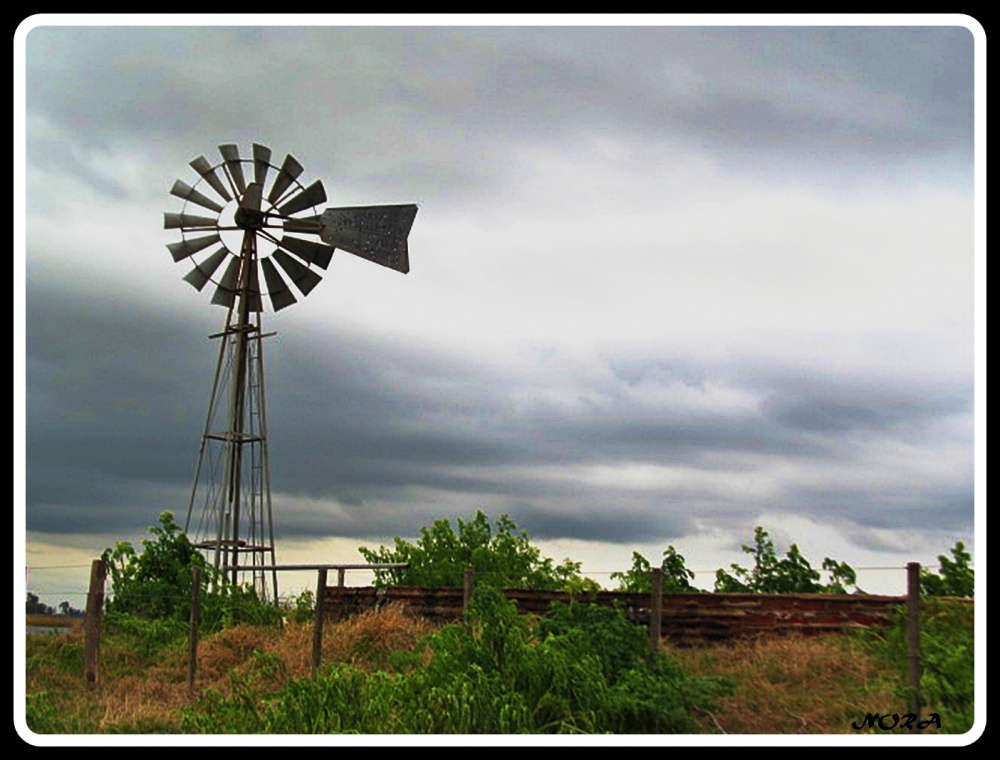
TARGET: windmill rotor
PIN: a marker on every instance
(246, 221)
(249, 194)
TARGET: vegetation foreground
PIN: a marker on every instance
(582, 669)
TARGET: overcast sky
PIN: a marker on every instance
(667, 283)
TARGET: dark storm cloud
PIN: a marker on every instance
(409, 435)
(943, 507)
(113, 395)
(862, 407)
(616, 523)
(376, 425)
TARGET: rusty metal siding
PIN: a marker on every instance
(687, 618)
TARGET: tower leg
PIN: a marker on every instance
(229, 515)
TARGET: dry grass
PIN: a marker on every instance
(364, 641)
(784, 685)
(791, 685)
(134, 698)
(55, 621)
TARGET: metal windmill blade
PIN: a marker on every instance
(232, 480)
(186, 192)
(281, 294)
(231, 158)
(202, 273)
(308, 251)
(207, 172)
(314, 195)
(287, 174)
(261, 163)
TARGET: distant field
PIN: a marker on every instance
(54, 621)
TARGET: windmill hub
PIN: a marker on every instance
(249, 219)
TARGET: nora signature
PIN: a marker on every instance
(906, 720)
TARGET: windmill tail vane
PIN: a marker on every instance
(246, 221)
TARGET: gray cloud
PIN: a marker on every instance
(420, 100)
(370, 424)
(664, 278)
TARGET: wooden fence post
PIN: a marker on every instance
(656, 611)
(317, 652)
(468, 586)
(913, 633)
(195, 622)
(92, 622)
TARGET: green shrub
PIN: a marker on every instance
(947, 654)
(791, 574)
(303, 609)
(638, 580)
(581, 669)
(236, 605)
(144, 637)
(156, 582)
(956, 578)
(155, 585)
(501, 555)
(45, 715)
(40, 715)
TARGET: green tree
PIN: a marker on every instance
(842, 576)
(501, 555)
(791, 574)
(65, 608)
(956, 578)
(155, 584)
(34, 606)
(638, 580)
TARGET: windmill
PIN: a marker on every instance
(229, 515)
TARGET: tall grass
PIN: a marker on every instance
(579, 669)
(792, 684)
(947, 655)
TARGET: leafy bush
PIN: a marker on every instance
(956, 578)
(44, 714)
(41, 715)
(638, 580)
(145, 637)
(947, 655)
(155, 585)
(792, 574)
(303, 608)
(230, 605)
(501, 555)
(580, 669)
